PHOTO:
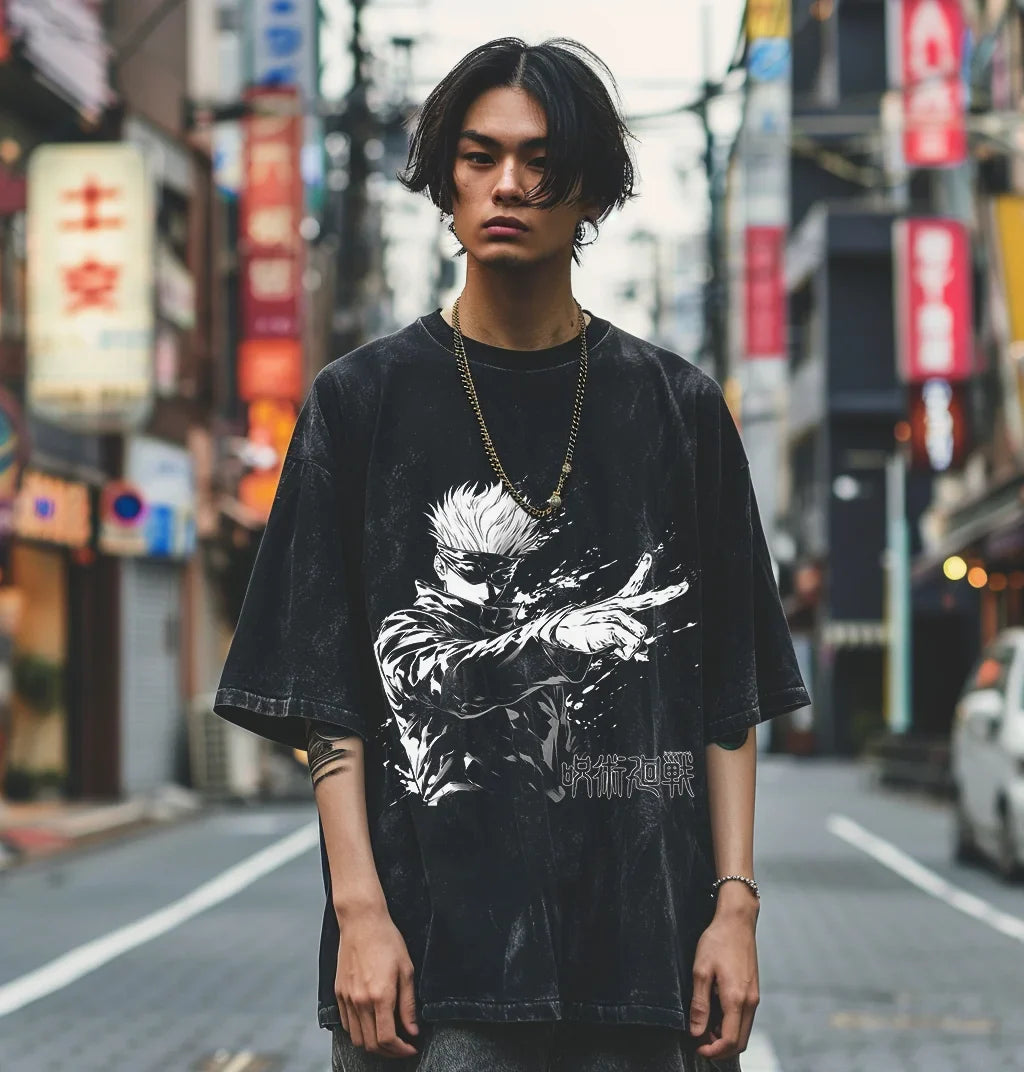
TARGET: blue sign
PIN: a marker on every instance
(768, 59)
(283, 52)
(160, 530)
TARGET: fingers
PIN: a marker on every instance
(407, 1001)
(370, 1022)
(656, 598)
(746, 1025)
(727, 1045)
(737, 1021)
(388, 1041)
(700, 1003)
(627, 634)
(350, 1017)
(635, 583)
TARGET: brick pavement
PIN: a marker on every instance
(860, 971)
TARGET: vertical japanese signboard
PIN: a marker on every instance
(90, 287)
(933, 39)
(766, 292)
(270, 366)
(766, 162)
(768, 18)
(283, 52)
(270, 214)
(938, 425)
(933, 299)
(1006, 224)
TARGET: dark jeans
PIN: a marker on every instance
(533, 1047)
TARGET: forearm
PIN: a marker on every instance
(731, 780)
(337, 773)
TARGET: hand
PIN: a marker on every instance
(375, 975)
(608, 625)
(726, 959)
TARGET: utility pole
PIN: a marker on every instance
(713, 348)
(348, 325)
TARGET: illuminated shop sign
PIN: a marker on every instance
(933, 39)
(90, 287)
(932, 271)
(938, 426)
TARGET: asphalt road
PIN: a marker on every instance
(194, 948)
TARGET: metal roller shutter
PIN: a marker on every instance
(151, 704)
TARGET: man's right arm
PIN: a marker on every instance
(375, 973)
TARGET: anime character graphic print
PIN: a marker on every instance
(475, 682)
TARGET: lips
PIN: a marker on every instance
(505, 222)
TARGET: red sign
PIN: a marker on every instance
(271, 424)
(766, 292)
(938, 426)
(90, 285)
(270, 368)
(933, 299)
(271, 209)
(91, 195)
(934, 95)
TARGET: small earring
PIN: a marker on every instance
(451, 227)
(581, 230)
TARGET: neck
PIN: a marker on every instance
(527, 310)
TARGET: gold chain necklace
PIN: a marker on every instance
(555, 500)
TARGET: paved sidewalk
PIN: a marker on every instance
(33, 829)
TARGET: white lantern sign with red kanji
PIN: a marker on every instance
(90, 287)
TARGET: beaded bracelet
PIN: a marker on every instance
(735, 878)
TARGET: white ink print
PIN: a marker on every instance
(476, 682)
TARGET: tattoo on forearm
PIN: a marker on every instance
(326, 773)
(325, 750)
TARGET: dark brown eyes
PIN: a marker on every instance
(483, 158)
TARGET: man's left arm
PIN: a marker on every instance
(726, 956)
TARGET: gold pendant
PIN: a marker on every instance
(555, 501)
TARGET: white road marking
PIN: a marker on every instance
(87, 958)
(924, 878)
(759, 1056)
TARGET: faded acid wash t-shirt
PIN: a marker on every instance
(535, 697)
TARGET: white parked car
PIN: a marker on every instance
(987, 758)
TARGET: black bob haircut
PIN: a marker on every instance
(587, 137)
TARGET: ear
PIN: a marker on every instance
(591, 210)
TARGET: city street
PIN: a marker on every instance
(861, 967)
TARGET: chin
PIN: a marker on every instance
(494, 256)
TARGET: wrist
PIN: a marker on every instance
(736, 898)
(359, 904)
(549, 624)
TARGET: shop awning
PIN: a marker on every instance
(993, 523)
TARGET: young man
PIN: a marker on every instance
(515, 598)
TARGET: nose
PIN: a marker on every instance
(509, 185)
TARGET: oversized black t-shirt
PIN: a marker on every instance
(535, 696)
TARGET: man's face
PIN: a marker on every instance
(473, 584)
(500, 157)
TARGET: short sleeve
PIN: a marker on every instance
(298, 650)
(749, 668)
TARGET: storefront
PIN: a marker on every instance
(52, 529)
(148, 523)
